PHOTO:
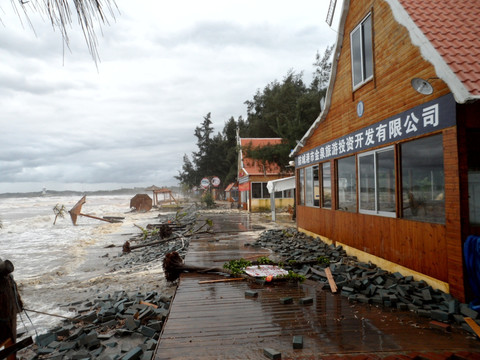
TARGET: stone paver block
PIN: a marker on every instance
(286, 300)
(272, 354)
(133, 354)
(298, 342)
(306, 301)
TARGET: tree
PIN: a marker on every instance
(286, 110)
(60, 12)
(323, 64)
(231, 151)
(188, 176)
(282, 109)
(203, 162)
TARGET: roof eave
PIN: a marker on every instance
(331, 83)
(429, 53)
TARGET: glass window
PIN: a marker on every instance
(312, 186)
(347, 184)
(265, 192)
(474, 196)
(473, 160)
(301, 179)
(326, 186)
(367, 47)
(316, 187)
(288, 194)
(362, 52)
(366, 165)
(256, 190)
(357, 56)
(377, 182)
(423, 186)
(309, 186)
(386, 181)
(278, 194)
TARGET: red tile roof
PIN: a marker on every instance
(453, 28)
(253, 167)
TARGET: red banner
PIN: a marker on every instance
(244, 186)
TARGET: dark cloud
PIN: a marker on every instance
(163, 67)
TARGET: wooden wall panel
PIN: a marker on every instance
(415, 245)
(431, 249)
(397, 61)
(452, 212)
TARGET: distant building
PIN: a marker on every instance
(231, 192)
(391, 168)
(253, 177)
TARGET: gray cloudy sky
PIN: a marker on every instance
(66, 124)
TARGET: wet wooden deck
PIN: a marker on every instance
(217, 320)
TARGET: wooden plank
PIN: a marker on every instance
(331, 281)
(149, 304)
(218, 321)
(12, 349)
(473, 325)
(220, 280)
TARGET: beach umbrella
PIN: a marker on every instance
(77, 210)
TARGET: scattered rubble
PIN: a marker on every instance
(112, 326)
(363, 282)
(172, 233)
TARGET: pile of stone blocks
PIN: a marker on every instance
(109, 327)
(363, 282)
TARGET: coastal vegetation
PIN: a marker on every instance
(283, 109)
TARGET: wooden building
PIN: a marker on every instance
(391, 167)
(254, 175)
(231, 192)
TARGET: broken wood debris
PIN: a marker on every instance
(331, 281)
(77, 210)
(473, 325)
(165, 232)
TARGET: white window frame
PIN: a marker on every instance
(359, 181)
(362, 53)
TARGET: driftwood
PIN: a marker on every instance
(173, 266)
(10, 303)
(127, 247)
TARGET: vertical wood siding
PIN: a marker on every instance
(432, 249)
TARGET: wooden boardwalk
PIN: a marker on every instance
(218, 321)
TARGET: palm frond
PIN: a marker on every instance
(90, 14)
